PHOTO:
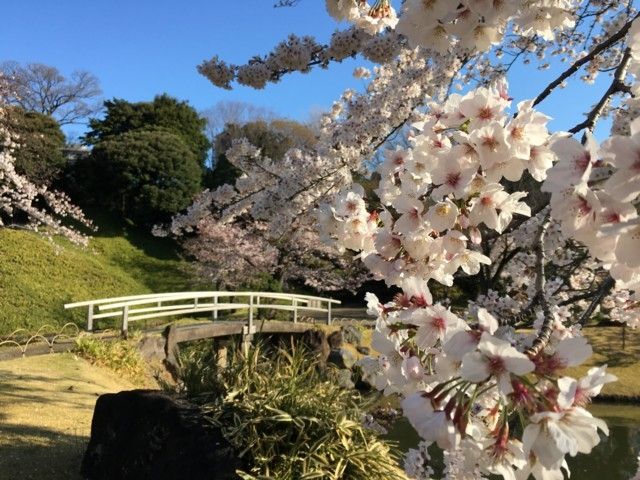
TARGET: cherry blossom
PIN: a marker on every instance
(473, 190)
(48, 212)
(495, 358)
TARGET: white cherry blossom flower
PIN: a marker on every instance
(442, 216)
(435, 323)
(552, 435)
(495, 358)
(432, 425)
(574, 164)
(624, 154)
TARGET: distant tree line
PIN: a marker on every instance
(142, 161)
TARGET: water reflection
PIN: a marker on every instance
(615, 458)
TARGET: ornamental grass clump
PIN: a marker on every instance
(288, 420)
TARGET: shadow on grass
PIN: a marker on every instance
(608, 343)
(37, 453)
(110, 225)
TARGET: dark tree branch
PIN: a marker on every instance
(503, 263)
(545, 331)
(617, 86)
(602, 291)
(601, 47)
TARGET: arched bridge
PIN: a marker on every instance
(149, 306)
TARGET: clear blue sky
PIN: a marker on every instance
(140, 48)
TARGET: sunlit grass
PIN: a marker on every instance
(622, 362)
(38, 276)
(46, 406)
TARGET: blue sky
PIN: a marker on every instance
(140, 48)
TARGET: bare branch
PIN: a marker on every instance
(286, 3)
(617, 86)
(545, 331)
(602, 291)
(601, 47)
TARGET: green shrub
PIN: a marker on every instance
(121, 356)
(287, 419)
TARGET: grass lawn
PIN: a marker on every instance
(624, 363)
(46, 406)
(38, 276)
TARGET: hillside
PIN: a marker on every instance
(38, 276)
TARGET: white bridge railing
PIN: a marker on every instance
(143, 307)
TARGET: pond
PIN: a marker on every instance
(613, 459)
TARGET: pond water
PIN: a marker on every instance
(613, 459)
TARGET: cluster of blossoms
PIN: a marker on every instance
(300, 54)
(477, 25)
(597, 207)
(230, 246)
(438, 193)
(456, 204)
(45, 210)
(519, 28)
(279, 191)
(465, 386)
(471, 390)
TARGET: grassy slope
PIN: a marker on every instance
(38, 276)
(623, 363)
(46, 406)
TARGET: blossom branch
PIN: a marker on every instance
(602, 291)
(601, 47)
(545, 331)
(617, 86)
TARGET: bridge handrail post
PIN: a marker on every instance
(329, 313)
(125, 320)
(90, 318)
(295, 310)
(250, 313)
(215, 307)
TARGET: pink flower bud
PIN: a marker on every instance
(475, 235)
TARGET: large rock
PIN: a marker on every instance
(146, 434)
(351, 334)
(316, 342)
(335, 340)
(342, 358)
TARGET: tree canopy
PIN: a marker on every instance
(165, 112)
(274, 139)
(546, 225)
(146, 175)
(40, 142)
(40, 88)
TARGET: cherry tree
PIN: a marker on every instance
(230, 251)
(44, 210)
(546, 222)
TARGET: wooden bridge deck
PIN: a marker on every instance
(186, 333)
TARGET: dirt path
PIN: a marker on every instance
(46, 406)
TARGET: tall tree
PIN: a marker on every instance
(273, 138)
(496, 397)
(224, 112)
(146, 175)
(39, 152)
(40, 88)
(164, 112)
(33, 206)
